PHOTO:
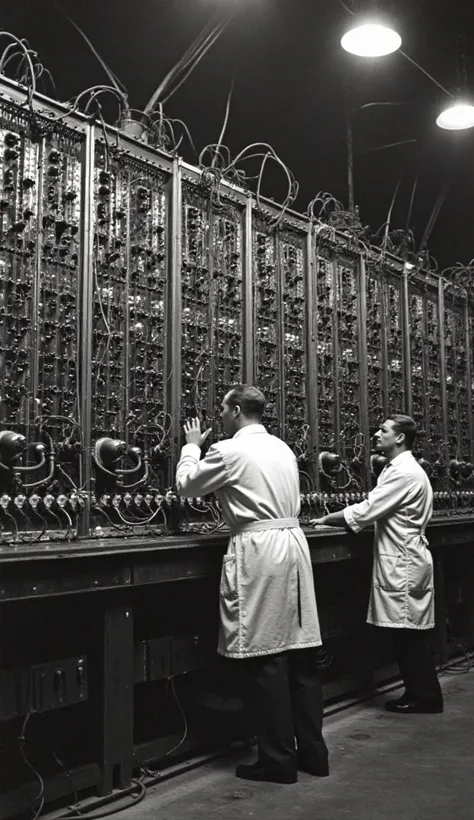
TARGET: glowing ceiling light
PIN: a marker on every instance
(457, 117)
(371, 40)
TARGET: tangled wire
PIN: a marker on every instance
(461, 276)
(224, 169)
(326, 208)
(23, 65)
(163, 132)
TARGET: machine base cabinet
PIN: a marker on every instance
(118, 672)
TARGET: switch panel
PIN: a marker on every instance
(171, 655)
(266, 301)
(43, 687)
(211, 287)
(58, 684)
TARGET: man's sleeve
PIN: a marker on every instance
(383, 499)
(194, 477)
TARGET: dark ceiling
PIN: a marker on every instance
(293, 85)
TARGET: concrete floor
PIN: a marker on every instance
(383, 767)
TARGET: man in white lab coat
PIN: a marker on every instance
(268, 614)
(402, 595)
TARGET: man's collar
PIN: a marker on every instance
(251, 428)
(400, 458)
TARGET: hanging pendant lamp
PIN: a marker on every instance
(371, 39)
(458, 117)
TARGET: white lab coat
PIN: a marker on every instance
(401, 506)
(267, 598)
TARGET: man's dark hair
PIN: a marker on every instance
(250, 400)
(406, 425)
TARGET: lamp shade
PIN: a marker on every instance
(457, 117)
(371, 40)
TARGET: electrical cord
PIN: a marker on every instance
(459, 667)
(22, 743)
(68, 776)
(224, 124)
(116, 83)
(10, 517)
(28, 55)
(338, 219)
(351, 6)
(219, 171)
(78, 811)
(36, 538)
(192, 57)
(82, 812)
(150, 772)
(158, 132)
(123, 529)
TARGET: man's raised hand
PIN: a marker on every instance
(192, 431)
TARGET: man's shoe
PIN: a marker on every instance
(256, 772)
(405, 698)
(316, 769)
(415, 706)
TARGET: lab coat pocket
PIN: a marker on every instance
(421, 572)
(228, 588)
(391, 572)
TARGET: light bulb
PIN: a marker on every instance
(371, 40)
(457, 117)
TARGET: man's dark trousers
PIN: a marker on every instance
(416, 661)
(284, 696)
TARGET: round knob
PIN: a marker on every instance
(377, 463)
(10, 139)
(329, 463)
(109, 451)
(454, 467)
(427, 466)
(12, 445)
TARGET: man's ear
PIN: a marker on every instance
(237, 411)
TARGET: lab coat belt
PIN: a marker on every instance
(268, 524)
(412, 535)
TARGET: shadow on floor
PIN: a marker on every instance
(383, 767)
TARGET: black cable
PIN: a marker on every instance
(22, 742)
(68, 777)
(459, 667)
(78, 812)
(152, 772)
